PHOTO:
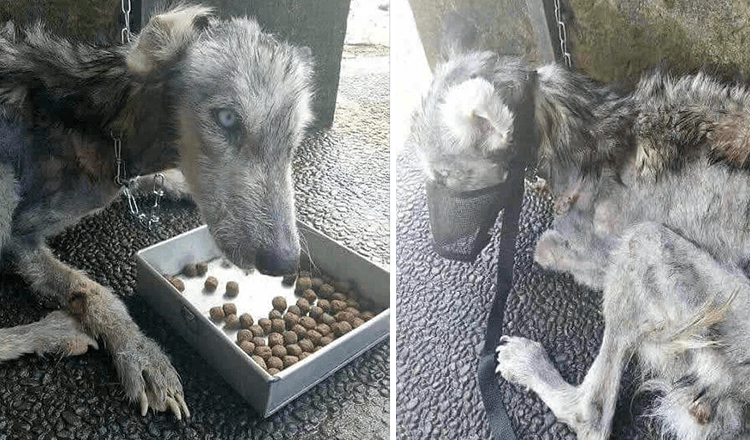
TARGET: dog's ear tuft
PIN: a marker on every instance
(476, 117)
(165, 37)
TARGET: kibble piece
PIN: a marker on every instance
(344, 316)
(323, 329)
(201, 269)
(337, 306)
(211, 284)
(325, 291)
(232, 288)
(244, 335)
(216, 313)
(274, 314)
(248, 347)
(325, 340)
(279, 351)
(338, 296)
(307, 322)
(246, 321)
(356, 322)
(190, 270)
(260, 361)
(231, 321)
(309, 295)
(304, 354)
(305, 273)
(290, 360)
(316, 312)
(229, 309)
(288, 279)
(316, 283)
(306, 345)
(278, 325)
(273, 371)
(275, 339)
(342, 286)
(341, 328)
(317, 347)
(301, 331)
(290, 319)
(293, 350)
(324, 304)
(279, 303)
(256, 330)
(303, 283)
(353, 310)
(327, 319)
(294, 310)
(275, 362)
(290, 337)
(366, 316)
(263, 351)
(258, 341)
(177, 283)
(314, 336)
(352, 303)
(303, 305)
(265, 324)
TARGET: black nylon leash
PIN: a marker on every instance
(526, 140)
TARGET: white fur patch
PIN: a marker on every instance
(471, 109)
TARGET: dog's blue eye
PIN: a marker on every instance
(226, 118)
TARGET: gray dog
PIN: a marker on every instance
(653, 208)
(221, 101)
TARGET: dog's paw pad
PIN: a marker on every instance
(518, 360)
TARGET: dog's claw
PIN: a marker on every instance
(172, 405)
(144, 403)
(183, 405)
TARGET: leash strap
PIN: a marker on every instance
(527, 142)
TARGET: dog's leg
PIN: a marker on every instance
(554, 252)
(57, 333)
(145, 371)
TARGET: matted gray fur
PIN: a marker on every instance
(221, 101)
(653, 208)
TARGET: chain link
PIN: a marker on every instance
(125, 32)
(562, 33)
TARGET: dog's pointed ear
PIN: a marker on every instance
(166, 36)
(476, 116)
(458, 35)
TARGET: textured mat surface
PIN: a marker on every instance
(442, 309)
(342, 189)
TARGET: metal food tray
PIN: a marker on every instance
(187, 311)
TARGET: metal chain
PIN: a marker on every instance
(125, 32)
(562, 33)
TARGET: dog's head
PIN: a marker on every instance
(242, 105)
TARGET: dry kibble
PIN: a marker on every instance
(201, 269)
(216, 313)
(344, 316)
(248, 347)
(314, 336)
(290, 360)
(290, 319)
(256, 330)
(177, 283)
(325, 291)
(293, 350)
(324, 304)
(309, 295)
(275, 314)
(190, 270)
(288, 279)
(294, 310)
(316, 312)
(307, 322)
(231, 321)
(338, 296)
(303, 305)
(337, 306)
(317, 347)
(279, 351)
(306, 345)
(258, 341)
(356, 322)
(353, 310)
(229, 309)
(290, 337)
(265, 324)
(275, 362)
(263, 351)
(303, 283)
(278, 325)
(246, 321)
(304, 354)
(244, 335)
(211, 284)
(305, 273)
(279, 303)
(341, 328)
(275, 339)
(232, 288)
(301, 331)
(366, 316)
(352, 303)
(342, 286)
(325, 340)
(260, 361)
(273, 371)
(316, 283)
(323, 329)
(327, 319)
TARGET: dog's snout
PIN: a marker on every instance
(277, 261)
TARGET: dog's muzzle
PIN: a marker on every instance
(460, 221)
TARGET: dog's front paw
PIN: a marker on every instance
(149, 377)
(550, 250)
(60, 333)
(519, 360)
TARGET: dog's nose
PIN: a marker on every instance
(276, 261)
